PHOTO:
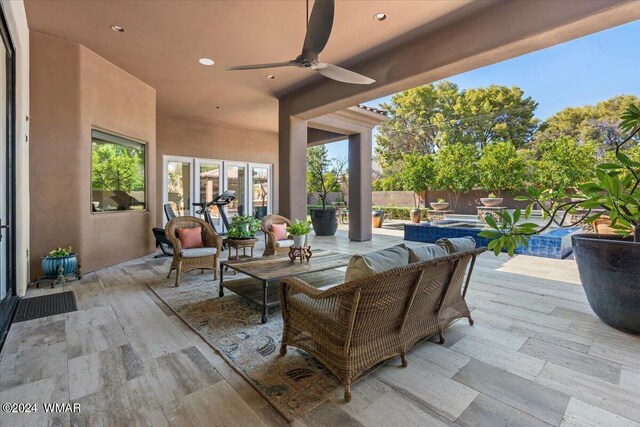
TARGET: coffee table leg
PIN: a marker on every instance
(265, 311)
(221, 293)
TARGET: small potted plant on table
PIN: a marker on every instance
(243, 227)
(299, 230)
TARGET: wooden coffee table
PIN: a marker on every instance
(272, 269)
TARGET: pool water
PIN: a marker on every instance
(553, 243)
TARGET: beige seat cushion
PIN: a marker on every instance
(198, 252)
(361, 266)
(284, 243)
(426, 252)
(458, 244)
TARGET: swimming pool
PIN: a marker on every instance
(553, 243)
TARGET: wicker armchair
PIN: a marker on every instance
(185, 260)
(271, 245)
(354, 326)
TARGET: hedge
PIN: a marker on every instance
(389, 212)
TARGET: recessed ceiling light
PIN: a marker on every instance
(118, 28)
(271, 76)
(380, 16)
(206, 61)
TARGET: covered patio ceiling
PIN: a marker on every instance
(164, 40)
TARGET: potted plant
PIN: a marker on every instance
(243, 227)
(323, 177)
(440, 205)
(299, 230)
(58, 262)
(491, 200)
(609, 265)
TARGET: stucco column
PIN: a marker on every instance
(292, 168)
(360, 186)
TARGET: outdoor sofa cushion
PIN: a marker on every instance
(190, 237)
(458, 244)
(198, 252)
(427, 252)
(361, 266)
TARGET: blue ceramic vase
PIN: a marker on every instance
(50, 265)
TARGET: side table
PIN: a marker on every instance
(238, 244)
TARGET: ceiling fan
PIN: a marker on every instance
(318, 32)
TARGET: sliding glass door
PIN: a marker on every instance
(8, 296)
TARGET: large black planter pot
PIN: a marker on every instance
(609, 268)
(325, 221)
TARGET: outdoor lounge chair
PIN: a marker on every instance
(271, 245)
(352, 327)
(184, 260)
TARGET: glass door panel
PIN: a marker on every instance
(235, 180)
(260, 190)
(4, 169)
(179, 186)
(208, 184)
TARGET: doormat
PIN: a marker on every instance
(46, 305)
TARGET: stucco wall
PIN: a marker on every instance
(75, 90)
(179, 136)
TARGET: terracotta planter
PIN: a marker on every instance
(377, 218)
(609, 268)
(415, 215)
(491, 202)
(439, 206)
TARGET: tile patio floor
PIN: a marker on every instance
(536, 356)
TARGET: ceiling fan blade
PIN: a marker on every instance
(320, 24)
(260, 66)
(342, 75)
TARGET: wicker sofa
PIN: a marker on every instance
(354, 326)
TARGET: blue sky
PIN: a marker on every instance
(583, 71)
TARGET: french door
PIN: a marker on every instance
(208, 184)
(187, 180)
(8, 297)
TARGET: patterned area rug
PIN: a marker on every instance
(294, 384)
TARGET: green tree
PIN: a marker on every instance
(456, 170)
(599, 123)
(501, 167)
(115, 167)
(417, 174)
(494, 114)
(324, 175)
(564, 163)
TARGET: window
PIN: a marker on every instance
(117, 173)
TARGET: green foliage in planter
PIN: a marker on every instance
(615, 190)
(299, 228)
(441, 200)
(243, 227)
(60, 252)
(417, 174)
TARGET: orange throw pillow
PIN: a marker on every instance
(190, 237)
(280, 231)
